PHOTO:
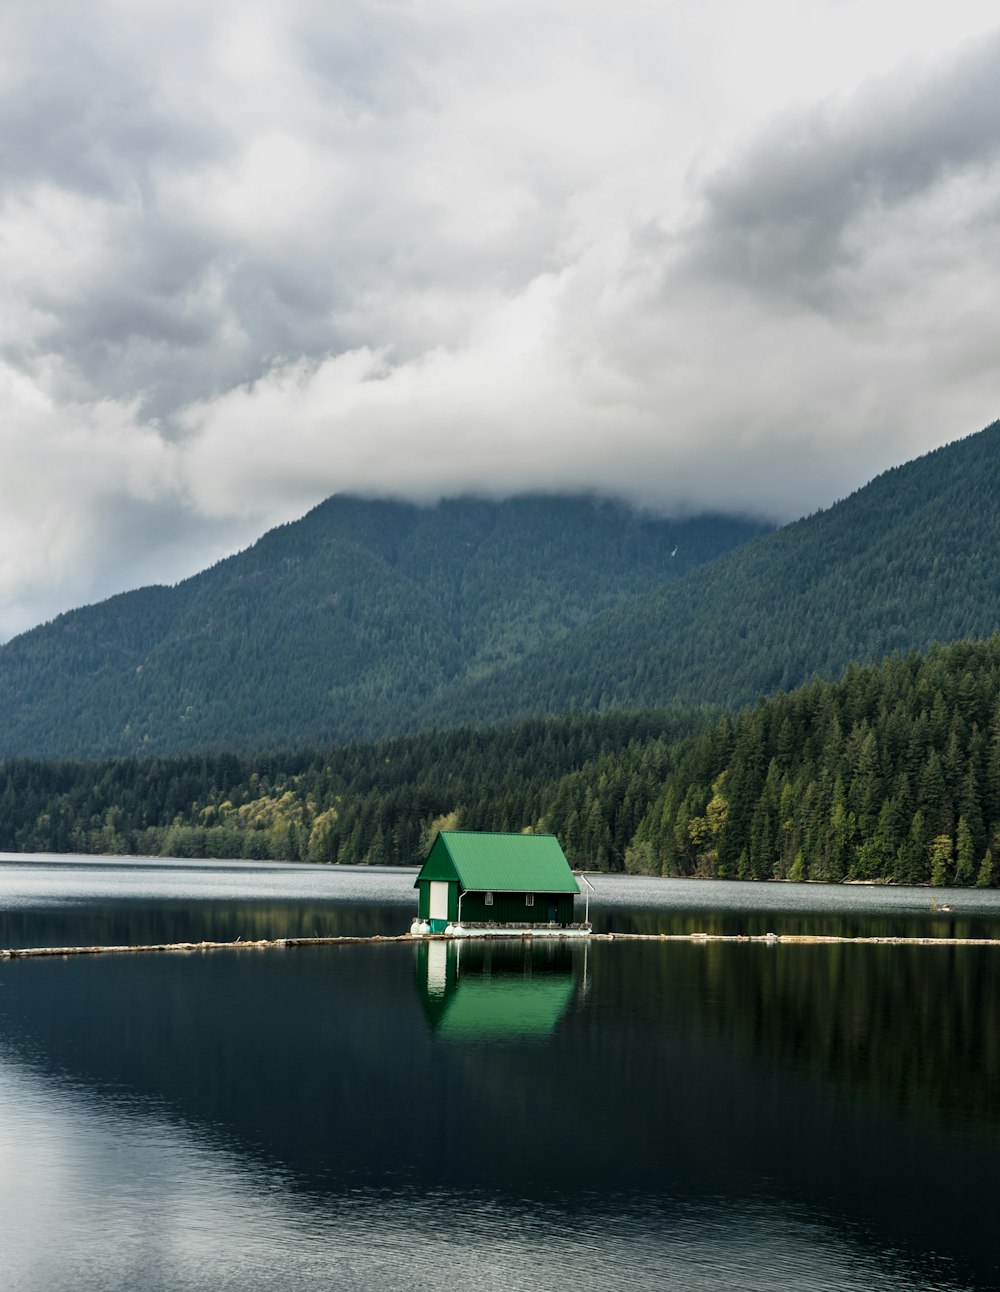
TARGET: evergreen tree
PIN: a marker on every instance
(964, 853)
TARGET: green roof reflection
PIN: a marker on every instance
(500, 992)
(493, 1009)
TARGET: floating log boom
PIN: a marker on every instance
(261, 944)
(273, 944)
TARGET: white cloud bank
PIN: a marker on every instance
(721, 256)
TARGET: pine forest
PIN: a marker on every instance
(890, 775)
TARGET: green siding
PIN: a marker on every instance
(507, 908)
(513, 863)
(511, 908)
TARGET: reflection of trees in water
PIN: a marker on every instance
(913, 1027)
(823, 923)
(139, 924)
(682, 1073)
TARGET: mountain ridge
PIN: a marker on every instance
(909, 559)
(369, 618)
(335, 626)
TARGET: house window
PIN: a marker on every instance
(529, 899)
(488, 899)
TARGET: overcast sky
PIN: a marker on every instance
(698, 254)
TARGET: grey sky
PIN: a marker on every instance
(253, 253)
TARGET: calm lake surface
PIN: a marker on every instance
(617, 1115)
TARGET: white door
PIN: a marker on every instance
(439, 900)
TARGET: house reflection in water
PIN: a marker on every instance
(497, 991)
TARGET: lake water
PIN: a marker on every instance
(721, 1116)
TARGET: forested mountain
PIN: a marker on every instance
(891, 774)
(910, 559)
(340, 625)
(368, 618)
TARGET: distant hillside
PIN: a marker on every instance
(341, 625)
(912, 558)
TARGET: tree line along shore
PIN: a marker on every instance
(891, 774)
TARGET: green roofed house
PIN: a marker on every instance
(474, 882)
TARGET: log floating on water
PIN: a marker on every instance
(271, 944)
(798, 939)
(262, 944)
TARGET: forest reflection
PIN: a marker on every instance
(123, 923)
(119, 921)
(908, 1027)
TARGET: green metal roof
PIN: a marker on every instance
(502, 863)
(487, 1009)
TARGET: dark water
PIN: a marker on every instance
(649, 1115)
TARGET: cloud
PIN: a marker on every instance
(254, 254)
(824, 312)
(90, 502)
(779, 219)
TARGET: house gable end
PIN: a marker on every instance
(439, 864)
